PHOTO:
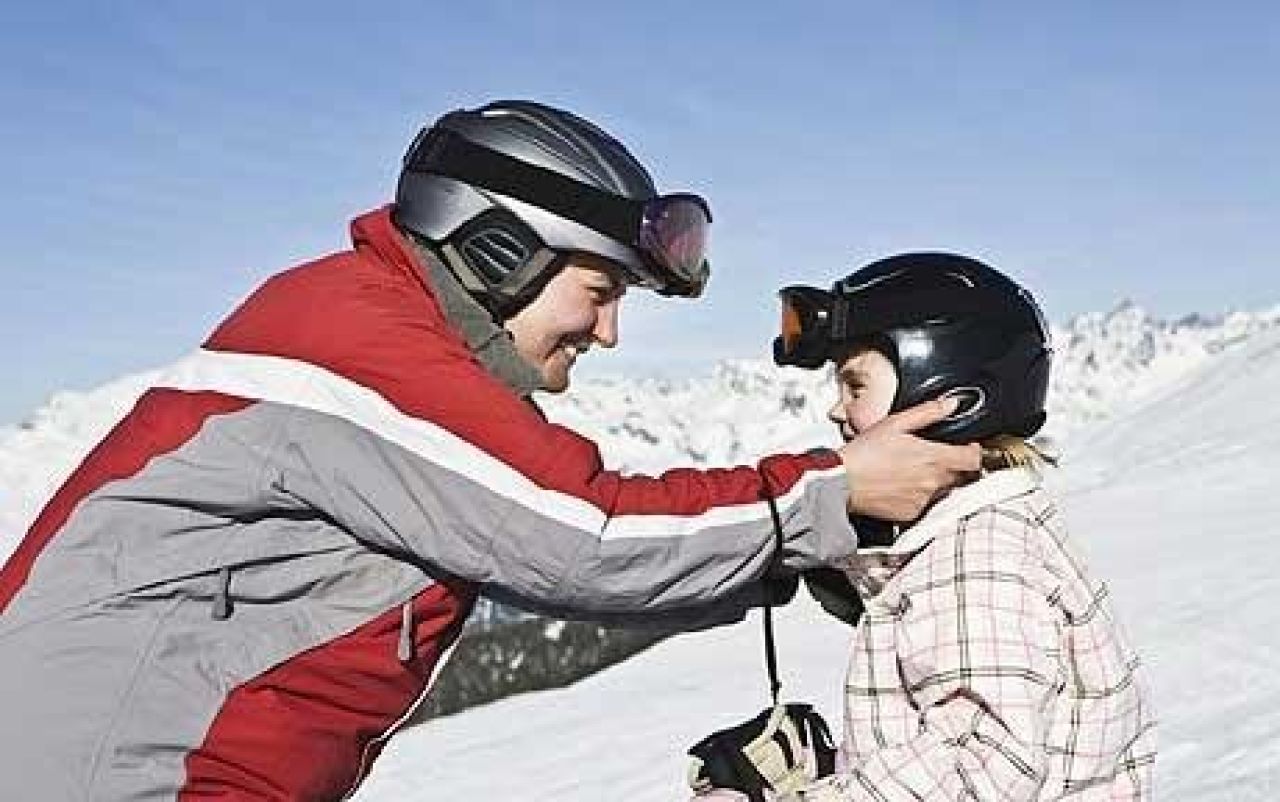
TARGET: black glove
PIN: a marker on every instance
(778, 588)
(781, 750)
(837, 595)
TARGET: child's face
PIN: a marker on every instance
(867, 384)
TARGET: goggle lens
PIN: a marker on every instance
(674, 233)
(792, 327)
(805, 327)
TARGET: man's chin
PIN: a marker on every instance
(555, 382)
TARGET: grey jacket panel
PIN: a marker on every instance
(179, 584)
(400, 501)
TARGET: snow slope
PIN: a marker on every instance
(1175, 499)
(1176, 504)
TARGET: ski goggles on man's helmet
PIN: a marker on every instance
(669, 232)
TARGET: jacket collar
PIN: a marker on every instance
(489, 342)
(870, 570)
(963, 501)
(375, 231)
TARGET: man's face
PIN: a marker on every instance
(576, 309)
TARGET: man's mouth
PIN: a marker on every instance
(573, 350)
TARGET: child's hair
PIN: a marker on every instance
(1007, 451)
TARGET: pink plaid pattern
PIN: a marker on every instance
(989, 666)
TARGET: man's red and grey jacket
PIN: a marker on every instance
(245, 587)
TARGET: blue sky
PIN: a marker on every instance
(163, 158)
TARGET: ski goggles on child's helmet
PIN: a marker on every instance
(669, 232)
(805, 336)
(816, 323)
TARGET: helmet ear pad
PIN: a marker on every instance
(983, 366)
(500, 260)
(930, 366)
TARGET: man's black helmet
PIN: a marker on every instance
(950, 325)
(504, 191)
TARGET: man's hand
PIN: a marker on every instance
(894, 475)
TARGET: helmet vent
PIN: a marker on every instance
(963, 279)
(494, 253)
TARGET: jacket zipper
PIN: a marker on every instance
(365, 761)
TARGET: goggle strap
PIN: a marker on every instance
(443, 152)
(839, 318)
(874, 315)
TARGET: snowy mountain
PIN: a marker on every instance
(743, 410)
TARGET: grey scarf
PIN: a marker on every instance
(490, 342)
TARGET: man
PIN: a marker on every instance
(253, 578)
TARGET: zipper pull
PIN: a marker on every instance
(404, 651)
(222, 598)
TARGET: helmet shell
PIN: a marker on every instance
(495, 239)
(957, 327)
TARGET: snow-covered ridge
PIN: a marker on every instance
(1106, 363)
(37, 455)
(742, 410)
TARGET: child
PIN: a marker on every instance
(987, 664)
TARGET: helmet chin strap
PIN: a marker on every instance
(874, 532)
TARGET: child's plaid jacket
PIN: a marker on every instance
(988, 665)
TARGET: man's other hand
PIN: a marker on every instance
(894, 475)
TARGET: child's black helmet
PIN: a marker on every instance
(950, 325)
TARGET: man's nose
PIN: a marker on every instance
(606, 331)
